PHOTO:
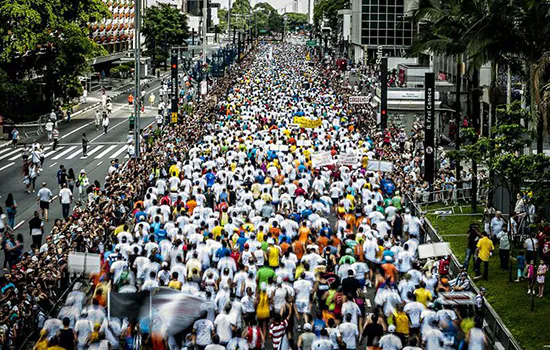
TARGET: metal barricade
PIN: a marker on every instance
(494, 327)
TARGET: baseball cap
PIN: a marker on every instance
(391, 328)
(307, 327)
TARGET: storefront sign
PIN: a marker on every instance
(358, 100)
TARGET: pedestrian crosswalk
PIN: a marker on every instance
(69, 152)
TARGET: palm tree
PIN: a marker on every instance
(443, 29)
(533, 27)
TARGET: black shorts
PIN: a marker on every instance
(44, 205)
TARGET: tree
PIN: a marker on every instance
(48, 39)
(296, 19)
(503, 153)
(163, 27)
(268, 18)
(222, 17)
(239, 12)
(328, 10)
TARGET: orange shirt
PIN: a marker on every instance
(191, 205)
(322, 242)
(390, 271)
(303, 233)
(284, 247)
(298, 249)
(275, 232)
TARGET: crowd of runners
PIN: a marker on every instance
(234, 205)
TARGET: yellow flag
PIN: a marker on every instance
(308, 57)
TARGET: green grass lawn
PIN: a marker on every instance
(510, 300)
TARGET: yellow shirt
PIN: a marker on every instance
(217, 231)
(423, 296)
(273, 256)
(174, 285)
(174, 170)
(401, 321)
(485, 246)
(118, 230)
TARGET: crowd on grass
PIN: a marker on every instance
(231, 204)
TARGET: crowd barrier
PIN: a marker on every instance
(495, 329)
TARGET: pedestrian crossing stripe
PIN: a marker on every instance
(64, 153)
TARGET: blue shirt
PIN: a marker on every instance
(210, 179)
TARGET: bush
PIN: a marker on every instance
(114, 72)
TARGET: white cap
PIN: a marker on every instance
(391, 328)
(307, 326)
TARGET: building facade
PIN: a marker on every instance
(381, 25)
(115, 34)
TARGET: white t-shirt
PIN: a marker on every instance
(349, 334)
(223, 324)
(203, 329)
(65, 195)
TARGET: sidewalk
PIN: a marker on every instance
(94, 101)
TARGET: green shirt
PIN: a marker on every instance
(264, 273)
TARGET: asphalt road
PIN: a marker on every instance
(102, 148)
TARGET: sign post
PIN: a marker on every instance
(384, 93)
(429, 123)
(174, 87)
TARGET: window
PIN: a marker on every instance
(373, 33)
(390, 41)
(373, 25)
(373, 16)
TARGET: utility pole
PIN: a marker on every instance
(137, 98)
(204, 26)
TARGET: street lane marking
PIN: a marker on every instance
(102, 154)
(111, 128)
(95, 150)
(122, 149)
(6, 150)
(21, 154)
(53, 164)
(98, 164)
(70, 149)
(19, 224)
(10, 153)
(7, 166)
(52, 152)
(75, 154)
(75, 130)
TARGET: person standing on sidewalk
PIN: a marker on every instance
(65, 198)
(84, 145)
(44, 197)
(84, 96)
(131, 102)
(36, 227)
(55, 136)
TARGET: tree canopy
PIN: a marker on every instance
(47, 38)
(296, 19)
(163, 27)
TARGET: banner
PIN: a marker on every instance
(380, 165)
(349, 159)
(429, 127)
(307, 123)
(204, 87)
(305, 143)
(433, 250)
(174, 309)
(84, 262)
(321, 159)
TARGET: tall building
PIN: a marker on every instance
(115, 34)
(381, 25)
